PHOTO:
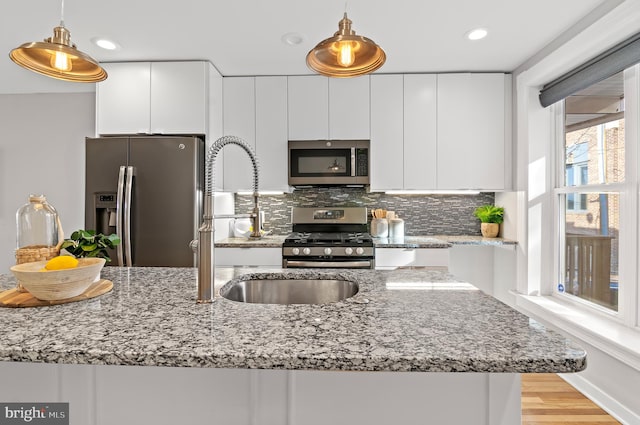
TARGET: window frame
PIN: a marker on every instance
(629, 255)
(628, 312)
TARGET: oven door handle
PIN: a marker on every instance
(365, 264)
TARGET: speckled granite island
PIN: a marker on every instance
(280, 363)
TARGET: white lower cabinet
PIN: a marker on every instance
(114, 395)
(28, 382)
(473, 264)
(412, 257)
(248, 257)
(490, 268)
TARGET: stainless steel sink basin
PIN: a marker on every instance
(289, 291)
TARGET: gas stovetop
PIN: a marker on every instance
(329, 239)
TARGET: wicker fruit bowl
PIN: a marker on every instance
(51, 285)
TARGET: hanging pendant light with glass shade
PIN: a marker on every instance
(346, 54)
(57, 57)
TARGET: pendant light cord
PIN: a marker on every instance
(62, 14)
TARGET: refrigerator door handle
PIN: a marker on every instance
(128, 188)
(119, 209)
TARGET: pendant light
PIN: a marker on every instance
(346, 54)
(57, 57)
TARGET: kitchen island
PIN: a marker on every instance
(279, 363)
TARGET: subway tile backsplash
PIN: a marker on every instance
(423, 214)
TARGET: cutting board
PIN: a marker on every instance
(15, 298)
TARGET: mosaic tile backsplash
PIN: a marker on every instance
(423, 214)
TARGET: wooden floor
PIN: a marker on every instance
(549, 400)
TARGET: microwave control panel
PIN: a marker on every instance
(362, 162)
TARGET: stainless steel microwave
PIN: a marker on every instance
(328, 162)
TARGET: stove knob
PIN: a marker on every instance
(348, 250)
(306, 251)
(327, 251)
(295, 251)
(359, 251)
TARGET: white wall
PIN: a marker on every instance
(42, 151)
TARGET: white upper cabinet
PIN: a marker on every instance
(153, 98)
(216, 129)
(322, 108)
(387, 149)
(271, 132)
(308, 99)
(123, 100)
(471, 130)
(440, 132)
(255, 109)
(420, 143)
(427, 131)
(349, 108)
(179, 96)
(239, 120)
(403, 132)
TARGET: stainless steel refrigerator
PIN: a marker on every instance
(148, 190)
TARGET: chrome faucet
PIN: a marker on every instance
(205, 243)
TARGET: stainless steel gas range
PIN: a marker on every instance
(329, 238)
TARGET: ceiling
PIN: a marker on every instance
(244, 37)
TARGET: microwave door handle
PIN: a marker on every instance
(119, 209)
(127, 215)
(353, 162)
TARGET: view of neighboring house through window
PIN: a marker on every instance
(577, 174)
(594, 168)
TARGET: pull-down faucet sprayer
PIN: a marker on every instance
(205, 242)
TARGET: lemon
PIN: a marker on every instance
(61, 262)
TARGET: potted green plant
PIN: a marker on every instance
(490, 217)
(86, 243)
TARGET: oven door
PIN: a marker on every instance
(351, 263)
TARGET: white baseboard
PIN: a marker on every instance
(602, 399)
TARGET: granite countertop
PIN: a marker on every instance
(268, 241)
(400, 320)
(476, 240)
(438, 241)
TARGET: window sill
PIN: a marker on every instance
(615, 339)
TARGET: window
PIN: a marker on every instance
(593, 160)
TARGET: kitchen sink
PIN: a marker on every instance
(289, 291)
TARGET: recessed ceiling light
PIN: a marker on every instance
(105, 43)
(292, 38)
(477, 34)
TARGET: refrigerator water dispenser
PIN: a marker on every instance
(105, 213)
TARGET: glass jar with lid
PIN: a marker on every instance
(38, 231)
